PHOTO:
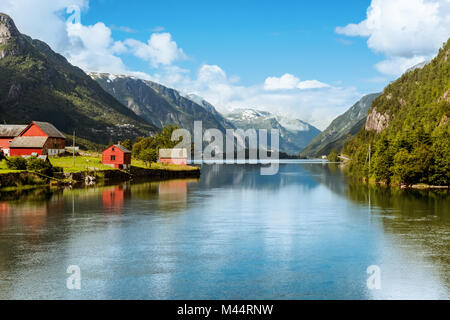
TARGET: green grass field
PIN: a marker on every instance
(93, 162)
(82, 163)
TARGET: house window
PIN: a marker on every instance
(113, 158)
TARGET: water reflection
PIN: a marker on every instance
(416, 226)
(234, 234)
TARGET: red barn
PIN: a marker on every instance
(38, 138)
(55, 141)
(117, 156)
(7, 134)
(173, 156)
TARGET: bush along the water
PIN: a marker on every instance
(32, 164)
(333, 156)
(38, 165)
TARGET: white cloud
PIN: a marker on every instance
(211, 74)
(96, 48)
(290, 82)
(287, 81)
(405, 31)
(159, 50)
(312, 84)
(398, 65)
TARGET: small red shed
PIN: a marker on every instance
(117, 156)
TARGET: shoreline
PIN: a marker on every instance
(398, 186)
(25, 180)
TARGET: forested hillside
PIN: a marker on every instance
(407, 130)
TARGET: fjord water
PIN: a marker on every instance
(306, 233)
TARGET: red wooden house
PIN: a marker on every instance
(117, 156)
(7, 134)
(38, 138)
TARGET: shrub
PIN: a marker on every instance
(333, 156)
(17, 163)
(127, 144)
(39, 165)
(149, 156)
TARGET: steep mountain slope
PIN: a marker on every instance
(38, 84)
(160, 105)
(341, 129)
(294, 134)
(407, 130)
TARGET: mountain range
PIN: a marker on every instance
(159, 105)
(162, 106)
(295, 134)
(38, 84)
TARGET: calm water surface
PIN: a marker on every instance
(305, 233)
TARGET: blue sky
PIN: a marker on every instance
(252, 39)
(307, 59)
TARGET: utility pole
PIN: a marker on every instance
(73, 148)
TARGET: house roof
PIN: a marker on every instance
(11, 130)
(28, 142)
(122, 148)
(173, 153)
(49, 129)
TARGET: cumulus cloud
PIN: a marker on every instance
(290, 82)
(96, 48)
(159, 50)
(407, 32)
(287, 81)
(312, 84)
